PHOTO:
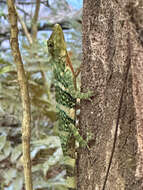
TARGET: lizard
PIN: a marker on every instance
(65, 86)
(67, 94)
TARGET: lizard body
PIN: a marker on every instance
(65, 88)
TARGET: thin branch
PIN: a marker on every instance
(20, 2)
(28, 35)
(29, 3)
(22, 10)
(45, 26)
(25, 29)
(26, 133)
(35, 19)
(44, 2)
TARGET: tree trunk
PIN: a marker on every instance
(109, 117)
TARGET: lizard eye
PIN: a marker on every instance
(50, 45)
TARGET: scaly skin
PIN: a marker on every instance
(65, 81)
(66, 93)
(65, 87)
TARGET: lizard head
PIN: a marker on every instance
(56, 43)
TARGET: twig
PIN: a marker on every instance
(22, 10)
(26, 132)
(25, 28)
(29, 38)
(35, 19)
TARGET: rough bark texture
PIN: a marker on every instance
(135, 12)
(137, 73)
(107, 32)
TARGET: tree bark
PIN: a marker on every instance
(109, 116)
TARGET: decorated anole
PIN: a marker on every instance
(65, 88)
(67, 96)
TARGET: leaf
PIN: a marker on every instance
(69, 161)
(70, 182)
(50, 149)
(52, 115)
(16, 153)
(2, 141)
(5, 69)
(6, 151)
(9, 174)
(37, 167)
(7, 148)
(57, 183)
(54, 159)
(50, 141)
(4, 62)
(18, 183)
